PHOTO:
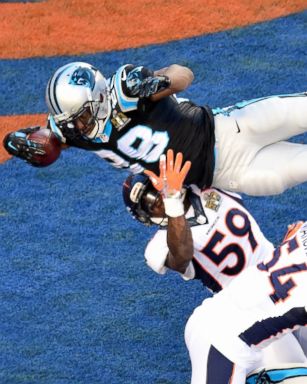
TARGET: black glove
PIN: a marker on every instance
(17, 144)
(151, 85)
(145, 87)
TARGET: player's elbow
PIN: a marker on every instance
(180, 77)
(189, 74)
(184, 75)
(183, 71)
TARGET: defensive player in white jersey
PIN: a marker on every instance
(134, 117)
(226, 334)
(207, 235)
(214, 241)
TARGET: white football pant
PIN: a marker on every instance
(252, 155)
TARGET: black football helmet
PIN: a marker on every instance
(141, 200)
(139, 197)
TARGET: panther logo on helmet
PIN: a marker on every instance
(83, 76)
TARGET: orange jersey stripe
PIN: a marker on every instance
(292, 229)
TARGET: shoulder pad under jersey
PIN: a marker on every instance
(118, 96)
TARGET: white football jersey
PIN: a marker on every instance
(264, 303)
(228, 241)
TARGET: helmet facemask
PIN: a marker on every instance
(92, 117)
(149, 200)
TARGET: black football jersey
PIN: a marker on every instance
(140, 130)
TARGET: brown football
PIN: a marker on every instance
(51, 146)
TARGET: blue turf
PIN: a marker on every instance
(78, 304)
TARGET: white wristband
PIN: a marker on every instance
(173, 206)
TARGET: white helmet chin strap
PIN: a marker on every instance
(162, 221)
(98, 126)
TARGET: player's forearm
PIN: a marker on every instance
(180, 78)
(180, 244)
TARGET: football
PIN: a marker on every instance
(51, 145)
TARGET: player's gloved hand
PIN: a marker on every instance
(141, 86)
(170, 181)
(172, 174)
(146, 87)
(17, 144)
(151, 85)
